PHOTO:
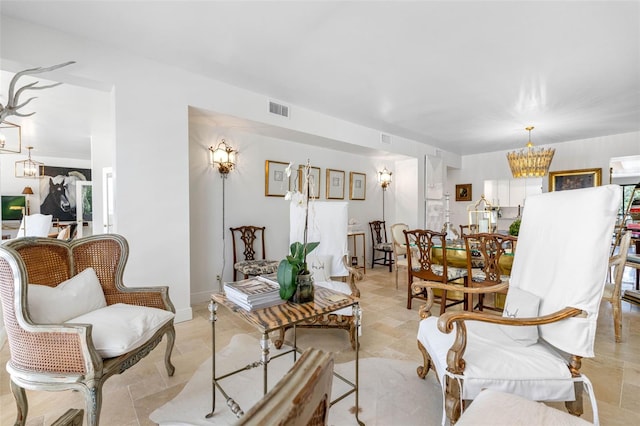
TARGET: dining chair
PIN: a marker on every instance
(487, 258)
(399, 247)
(379, 244)
(249, 258)
(613, 289)
(468, 229)
(422, 266)
(535, 349)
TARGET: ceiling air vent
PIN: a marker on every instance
(278, 109)
(385, 138)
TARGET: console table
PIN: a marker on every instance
(272, 319)
(354, 239)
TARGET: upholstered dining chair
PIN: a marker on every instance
(613, 289)
(379, 244)
(35, 225)
(487, 258)
(535, 348)
(70, 321)
(399, 247)
(249, 257)
(328, 224)
(423, 266)
(301, 398)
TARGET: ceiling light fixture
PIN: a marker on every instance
(222, 156)
(10, 137)
(28, 168)
(529, 161)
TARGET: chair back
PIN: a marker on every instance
(487, 249)
(398, 239)
(328, 223)
(378, 232)
(35, 225)
(468, 229)
(563, 253)
(252, 239)
(302, 397)
(421, 263)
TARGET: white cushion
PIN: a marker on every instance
(69, 299)
(320, 267)
(521, 304)
(120, 328)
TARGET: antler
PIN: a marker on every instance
(13, 100)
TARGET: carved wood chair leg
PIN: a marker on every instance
(452, 400)
(617, 319)
(93, 398)
(576, 407)
(22, 406)
(171, 339)
(422, 370)
(409, 293)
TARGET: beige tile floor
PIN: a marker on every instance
(389, 331)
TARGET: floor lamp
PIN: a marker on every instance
(224, 158)
(384, 178)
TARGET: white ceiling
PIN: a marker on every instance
(467, 77)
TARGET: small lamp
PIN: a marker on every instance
(28, 168)
(222, 156)
(27, 191)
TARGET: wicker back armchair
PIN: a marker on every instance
(64, 355)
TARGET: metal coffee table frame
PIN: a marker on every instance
(272, 319)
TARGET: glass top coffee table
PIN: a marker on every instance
(273, 318)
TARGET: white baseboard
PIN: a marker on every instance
(185, 314)
(203, 296)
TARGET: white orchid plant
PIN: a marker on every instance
(296, 263)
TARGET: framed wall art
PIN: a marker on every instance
(463, 192)
(357, 186)
(276, 181)
(58, 192)
(314, 180)
(574, 179)
(335, 184)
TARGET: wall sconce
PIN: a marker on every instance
(28, 168)
(384, 177)
(222, 156)
(10, 138)
(26, 192)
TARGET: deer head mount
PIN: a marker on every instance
(13, 99)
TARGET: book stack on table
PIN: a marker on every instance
(255, 292)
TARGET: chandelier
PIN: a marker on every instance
(28, 168)
(529, 161)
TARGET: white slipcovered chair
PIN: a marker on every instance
(549, 323)
(328, 224)
(35, 225)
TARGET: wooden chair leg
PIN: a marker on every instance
(22, 406)
(617, 319)
(171, 340)
(576, 407)
(423, 369)
(452, 399)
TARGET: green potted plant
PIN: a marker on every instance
(294, 278)
(514, 228)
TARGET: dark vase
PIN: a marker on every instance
(304, 289)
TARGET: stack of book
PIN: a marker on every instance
(255, 292)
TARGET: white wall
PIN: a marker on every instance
(580, 154)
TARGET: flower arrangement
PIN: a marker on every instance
(295, 264)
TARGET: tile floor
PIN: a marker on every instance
(389, 330)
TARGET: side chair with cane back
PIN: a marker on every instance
(71, 322)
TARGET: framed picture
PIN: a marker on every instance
(13, 206)
(357, 186)
(574, 179)
(276, 181)
(335, 184)
(463, 192)
(58, 187)
(314, 180)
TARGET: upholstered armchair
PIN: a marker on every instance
(327, 224)
(70, 321)
(535, 348)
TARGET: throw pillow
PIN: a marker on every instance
(320, 267)
(76, 296)
(521, 304)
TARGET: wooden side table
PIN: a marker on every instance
(272, 319)
(354, 240)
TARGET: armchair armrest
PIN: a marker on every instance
(354, 275)
(424, 311)
(153, 297)
(455, 362)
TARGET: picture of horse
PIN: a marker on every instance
(58, 187)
